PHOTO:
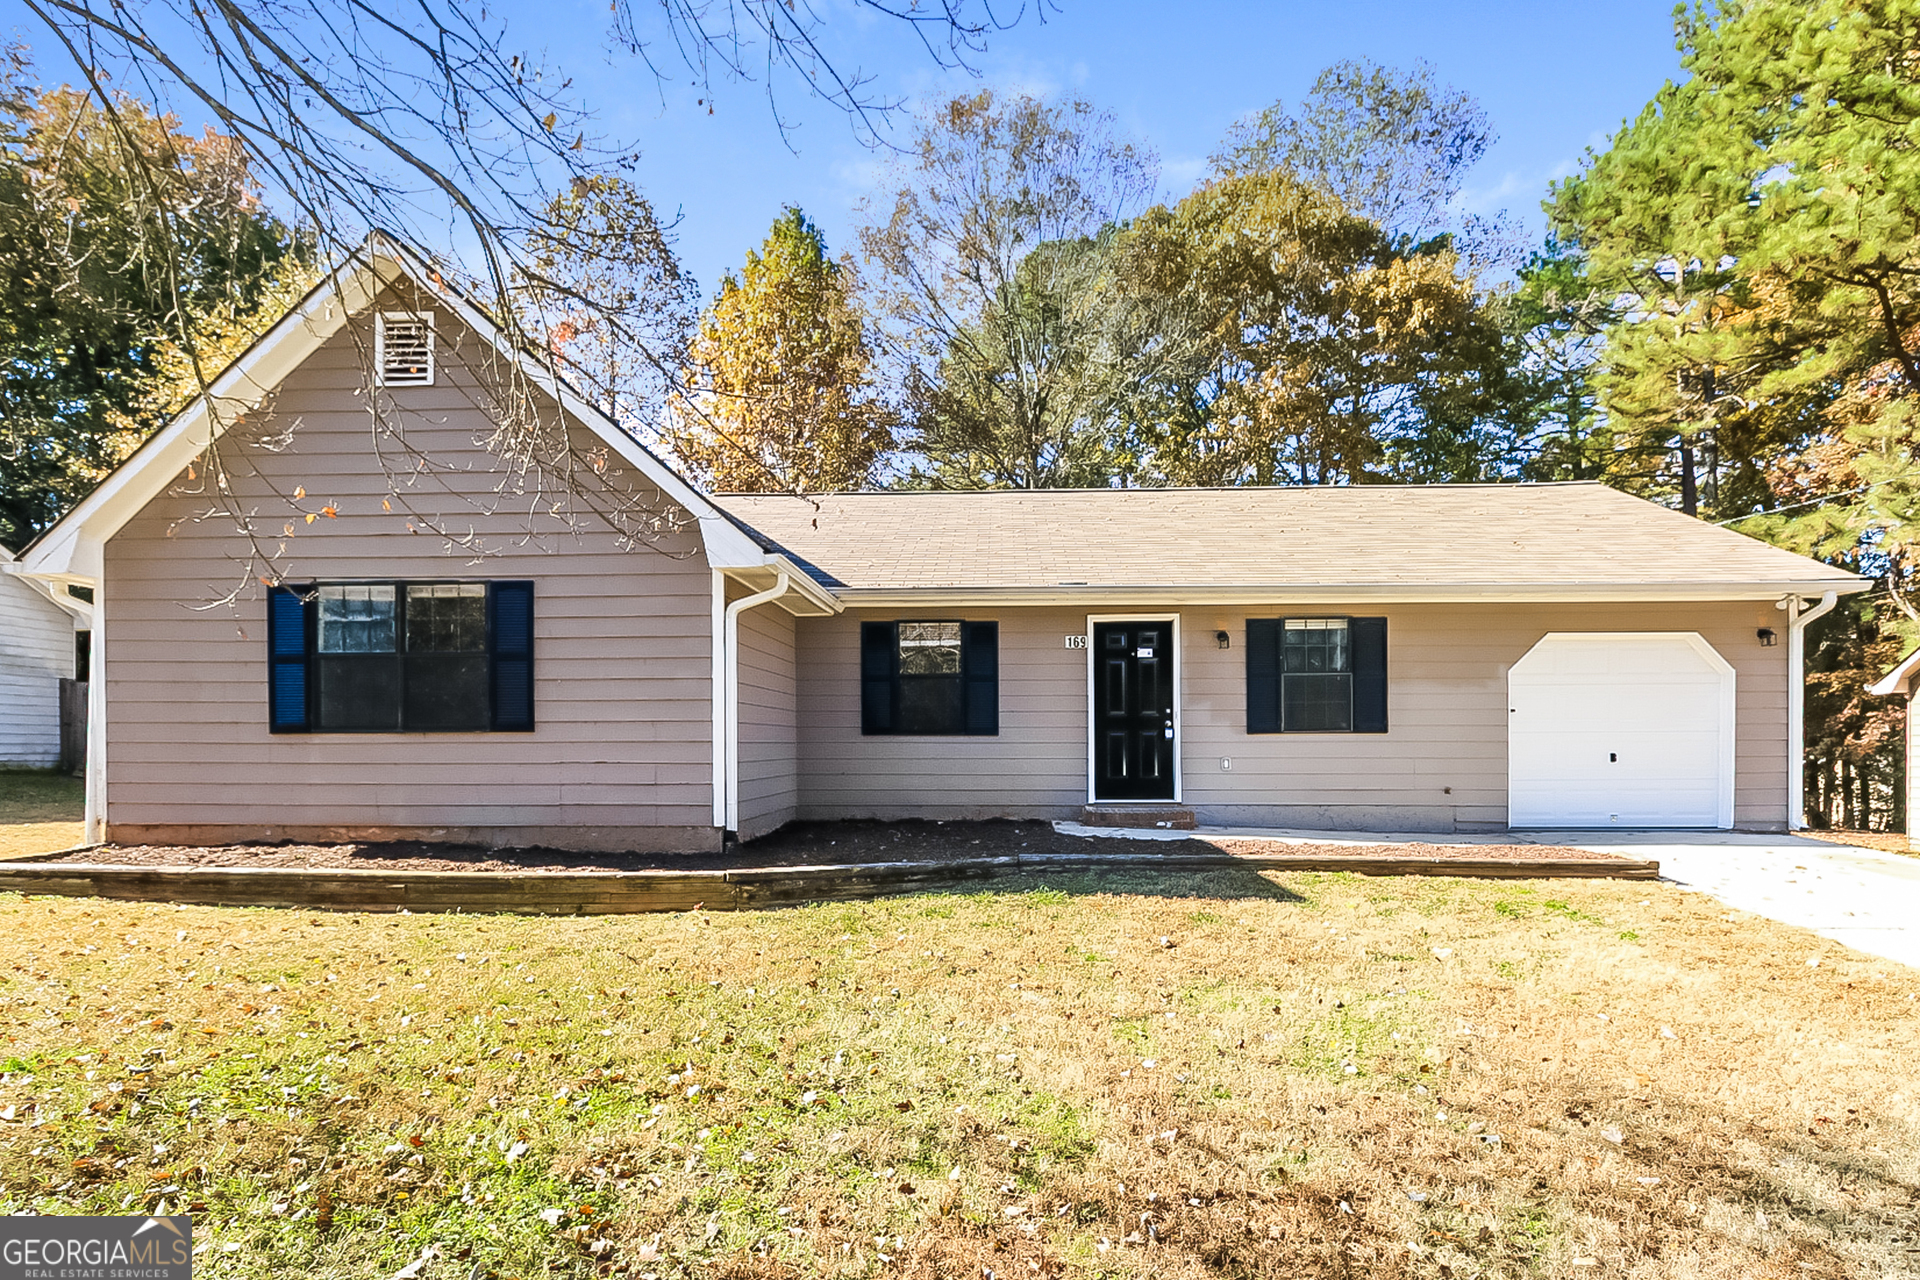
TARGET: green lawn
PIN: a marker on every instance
(1219, 1076)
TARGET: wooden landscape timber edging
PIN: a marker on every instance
(624, 892)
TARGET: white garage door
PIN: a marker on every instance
(1620, 729)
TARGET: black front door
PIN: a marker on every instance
(1133, 746)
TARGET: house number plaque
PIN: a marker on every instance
(1076, 642)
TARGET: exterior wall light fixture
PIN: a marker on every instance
(1767, 638)
(1222, 639)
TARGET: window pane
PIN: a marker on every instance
(1316, 703)
(931, 704)
(1314, 645)
(929, 648)
(447, 617)
(446, 692)
(357, 692)
(356, 619)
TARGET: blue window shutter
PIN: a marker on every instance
(286, 660)
(980, 672)
(879, 655)
(1263, 675)
(1369, 674)
(510, 616)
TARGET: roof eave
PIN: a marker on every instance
(1898, 680)
(1342, 593)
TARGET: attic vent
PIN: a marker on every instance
(403, 348)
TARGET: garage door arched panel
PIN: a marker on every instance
(1620, 729)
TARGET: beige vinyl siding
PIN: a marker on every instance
(622, 754)
(769, 774)
(1442, 765)
(36, 653)
(1035, 768)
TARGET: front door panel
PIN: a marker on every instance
(1133, 743)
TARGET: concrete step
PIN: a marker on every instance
(1167, 817)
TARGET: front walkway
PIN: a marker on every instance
(1861, 897)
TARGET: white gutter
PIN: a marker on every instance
(730, 693)
(1073, 594)
(1797, 621)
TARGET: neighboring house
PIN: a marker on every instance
(1904, 682)
(588, 652)
(37, 651)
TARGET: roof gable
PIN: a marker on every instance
(71, 549)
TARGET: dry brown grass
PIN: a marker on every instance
(1885, 841)
(1179, 1077)
(40, 812)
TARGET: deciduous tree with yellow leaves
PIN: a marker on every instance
(778, 394)
(1309, 345)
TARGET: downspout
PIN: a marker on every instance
(1797, 621)
(95, 831)
(731, 696)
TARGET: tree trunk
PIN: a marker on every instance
(1689, 489)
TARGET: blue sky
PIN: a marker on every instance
(1555, 77)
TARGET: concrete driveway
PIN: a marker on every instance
(1864, 898)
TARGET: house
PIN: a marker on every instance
(1904, 682)
(330, 603)
(41, 640)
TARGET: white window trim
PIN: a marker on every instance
(380, 347)
(1179, 727)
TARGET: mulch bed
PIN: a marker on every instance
(799, 844)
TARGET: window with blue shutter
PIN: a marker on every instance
(930, 678)
(401, 657)
(1316, 675)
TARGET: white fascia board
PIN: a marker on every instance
(1898, 679)
(71, 551)
(726, 544)
(801, 584)
(804, 598)
(54, 593)
(1323, 594)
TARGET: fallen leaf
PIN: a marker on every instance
(1612, 1134)
(414, 1268)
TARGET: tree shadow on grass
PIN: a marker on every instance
(1224, 880)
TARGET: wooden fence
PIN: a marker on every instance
(73, 726)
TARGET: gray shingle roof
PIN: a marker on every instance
(1454, 539)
